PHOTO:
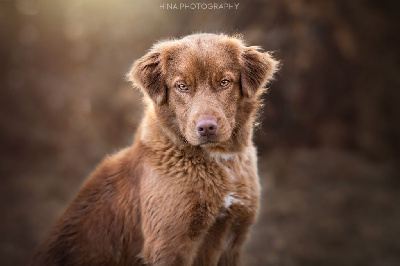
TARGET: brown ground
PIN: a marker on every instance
(326, 207)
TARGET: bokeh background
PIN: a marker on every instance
(329, 143)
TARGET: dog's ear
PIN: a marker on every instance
(147, 73)
(257, 68)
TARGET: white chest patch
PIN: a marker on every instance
(224, 157)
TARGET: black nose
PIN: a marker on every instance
(206, 127)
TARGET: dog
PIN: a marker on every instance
(187, 191)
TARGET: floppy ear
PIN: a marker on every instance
(257, 69)
(147, 73)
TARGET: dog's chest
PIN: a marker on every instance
(214, 188)
(243, 186)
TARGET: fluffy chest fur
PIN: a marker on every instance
(221, 181)
(187, 192)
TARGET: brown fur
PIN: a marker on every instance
(173, 197)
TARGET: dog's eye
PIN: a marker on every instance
(224, 83)
(182, 86)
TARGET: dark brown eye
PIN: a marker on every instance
(224, 83)
(182, 86)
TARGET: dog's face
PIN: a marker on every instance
(207, 86)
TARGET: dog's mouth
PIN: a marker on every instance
(208, 142)
(207, 131)
(214, 141)
(204, 141)
(207, 139)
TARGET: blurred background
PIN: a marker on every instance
(329, 143)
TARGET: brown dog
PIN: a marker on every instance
(187, 191)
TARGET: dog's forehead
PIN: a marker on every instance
(208, 54)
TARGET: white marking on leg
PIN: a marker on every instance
(230, 199)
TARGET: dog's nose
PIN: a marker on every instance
(206, 127)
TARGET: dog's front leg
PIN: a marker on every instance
(173, 227)
(158, 251)
(235, 241)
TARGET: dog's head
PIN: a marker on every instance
(206, 87)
